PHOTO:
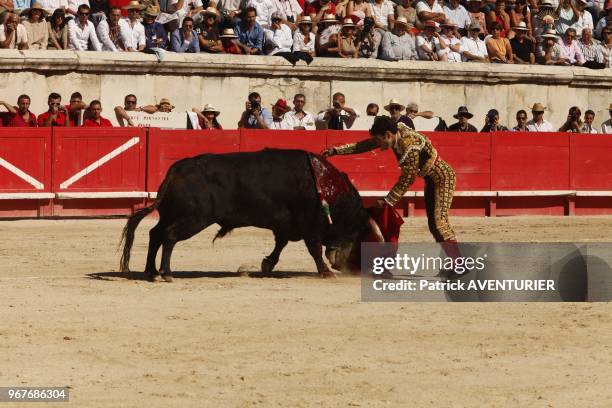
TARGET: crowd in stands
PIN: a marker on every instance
(555, 32)
(281, 116)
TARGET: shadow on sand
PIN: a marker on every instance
(200, 274)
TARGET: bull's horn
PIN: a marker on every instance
(376, 230)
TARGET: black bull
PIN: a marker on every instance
(271, 189)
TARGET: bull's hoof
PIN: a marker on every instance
(266, 266)
(167, 277)
(327, 275)
(153, 277)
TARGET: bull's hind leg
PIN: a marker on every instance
(156, 236)
(316, 251)
(270, 261)
(178, 231)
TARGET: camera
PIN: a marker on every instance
(336, 105)
(254, 105)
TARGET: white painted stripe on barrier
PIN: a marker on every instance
(535, 193)
(152, 194)
(133, 141)
(102, 194)
(26, 196)
(21, 174)
(594, 193)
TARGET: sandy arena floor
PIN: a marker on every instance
(214, 339)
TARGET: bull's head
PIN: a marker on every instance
(346, 255)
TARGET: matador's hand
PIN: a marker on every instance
(329, 152)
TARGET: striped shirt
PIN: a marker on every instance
(592, 52)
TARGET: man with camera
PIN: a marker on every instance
(255, 116)
(56, 115)
(339, 116)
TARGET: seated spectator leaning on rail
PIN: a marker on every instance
(185, 39)
(208, 32)
(304, 40)
(398, 44)
(109, 31)
(327, 36)
(96, 120)
(58, 31)
(56, 115)
(521, 122)
(499, 48)
(591, 50)
(339, 116)
(13, 34)
(132, 31)
(279, 39)
(395, 108)
(250, 33)
(130, 104)
(21, 115)
(538, 124)
(589, 118)
(463, 116)
(81, 32)
(549, 52)
(492, 122)
(369, 39)
(472, 47)
(207, 118)
(255, 116)
(449, 42)
(279, 109)
(298, 118)
(522, 47)
(570, 47)
(230, 43)
(156, 36)
(573, 123)
(164, 106)
(36, 27)
(606, 127)
(428, 42)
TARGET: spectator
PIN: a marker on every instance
(255, 116)
(520, 13)
(545, 18)
(498, 47)
(592, 52)
(397, 44)
(346, 40)
(606, 127)
(573, 123)
(229, 42)
(449, 48)
(492, 123)
(58, 31)
(132, 31)
(587, 126)
(361, 9)
(76, 109)
(130, 104)
(185, 39)
(290, 10)
(326, 40)
(13, 34)
(604, 22)
(164, 106)
(319, 9)
(474, 49)
(457, 13)
(192, 9)
(463, 116)
(279, 109)
(412, 111)
(383, 13)
(298, 118)
(549, 52)
(73, 6)
(395, 108)
(372, 109)
(538, 124)
(208, 32)
(477, 16)
(279, 39)
(428, 41)
(207, 118)
(570, 47)
(522, 47)
(584, 18)
(156, 37)
(81, 33)
(21, 115)
(264, 9)
(568, 14)
(430, 10)
(56, 115)
(304, 40)
(99, 9)
(521, 122)
(51, 5)
(369, 39)
(36, 27)
(499, 17)
(250, 34)
(339, 116)
(109, 32)
(95, 109)
(18, 6)
(606, 48)
(169, 15)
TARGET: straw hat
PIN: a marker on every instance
(431, 24)
(394, 102)
(348, 22)
(520, 27)
(165, 101)
(35, 6)
(134, 4)
(329, 18)
(210, 108)
(228, 33)
(550, 34)
(538, 107)
(305, 20)
(151, 11)
(463, 111)
(210, 11)
(402, 20)
(449, 23)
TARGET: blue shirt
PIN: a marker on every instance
(265, 115)
(21, 4)
(253, 38)
(158, 31)
(179, 45)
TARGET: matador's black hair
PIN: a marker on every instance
(383, 124)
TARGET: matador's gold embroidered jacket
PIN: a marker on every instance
(415, 156)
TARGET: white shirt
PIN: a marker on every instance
(588, 129)
(421, 41)
(546, 126)
(293, 121)
(78, 36)
(73, 5)
(22, 35)
(299, 45)
(103, 31)
(423, 6)
(132, 37)
(280, 125)
(282, 38)
(51, 5)
(585, 21)
(289, 8)
(474, 46)
(264, 8)
(381, 12)
(452, 55)
(606, 127)
(458, 15)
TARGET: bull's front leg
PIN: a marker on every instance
(270, 261)
(315, 248)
